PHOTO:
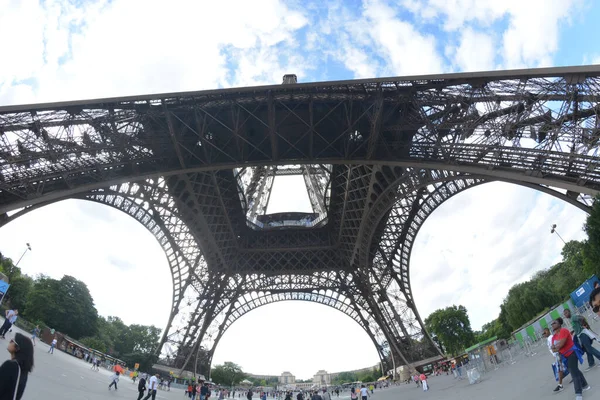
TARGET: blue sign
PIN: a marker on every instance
(3, 287)
(581, 295)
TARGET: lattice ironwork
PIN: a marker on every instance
(377, 158)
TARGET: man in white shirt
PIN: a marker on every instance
(11, 318)
(152, 387)
(52, 345)
(364, 393)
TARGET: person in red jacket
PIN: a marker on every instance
(563, 343)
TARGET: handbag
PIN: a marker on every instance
(18, 380)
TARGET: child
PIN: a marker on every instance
(114, 379)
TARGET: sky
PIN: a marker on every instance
(470, 251)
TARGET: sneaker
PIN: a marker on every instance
(588, 387)
(590, 367)
(559, 388)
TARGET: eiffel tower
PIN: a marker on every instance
(377, 157)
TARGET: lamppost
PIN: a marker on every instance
(22, 255)
(553, 230)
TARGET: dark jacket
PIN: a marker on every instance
(142, 385)
(8, 379)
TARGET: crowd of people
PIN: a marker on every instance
(568, 347)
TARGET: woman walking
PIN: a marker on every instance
(14, 372)
(563, 343)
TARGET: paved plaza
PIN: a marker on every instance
(61, 376)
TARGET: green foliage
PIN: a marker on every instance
(64, 304)
(591, 250)
(345, 377)
(95, 343)
(19, 290)
(452, 327)
(9, 268)
(547, 288)
(230, 374)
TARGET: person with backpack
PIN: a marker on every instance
(583, 333)
(249, 394)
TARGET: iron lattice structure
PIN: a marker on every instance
(378, 156)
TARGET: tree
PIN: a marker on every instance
(453, 328)
(19, 290)
(95, 343)
(591, 248)
(65, 305)
(9, 268)
(227, 374)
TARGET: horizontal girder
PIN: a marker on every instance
(528, 126)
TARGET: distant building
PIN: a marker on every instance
(287, 378)
(322, 378)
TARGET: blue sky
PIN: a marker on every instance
(470, 251)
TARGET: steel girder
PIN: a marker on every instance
(378, 155)
(537, 126)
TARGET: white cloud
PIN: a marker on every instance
(530, 38)
(481, 242)
(120, 261)
(476, 52)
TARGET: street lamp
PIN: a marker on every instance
(22, 255)
(553, 230)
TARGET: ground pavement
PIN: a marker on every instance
(63, 377)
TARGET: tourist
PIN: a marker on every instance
(114, 379)
(10, 318)
(353, 394)
(558, 362)
(364, 393)
(141, 387)
(584, 335)
(326, 395)
(562, 342)
(423, 379)
(14, 372)
(152, 387)
(35, 333)
(52, 345)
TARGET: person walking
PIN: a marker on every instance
(35, 333)
(114, 379)
(141, 386)
(52, 345)
(558, 362)
(10, 319)
(364, 393)
(562, 342)
(152, 387)
(424, 384)
(585, 336)
(14, 372)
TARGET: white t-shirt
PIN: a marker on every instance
(54, 342)
(364, 392)
(153, 383)
(550, 345)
